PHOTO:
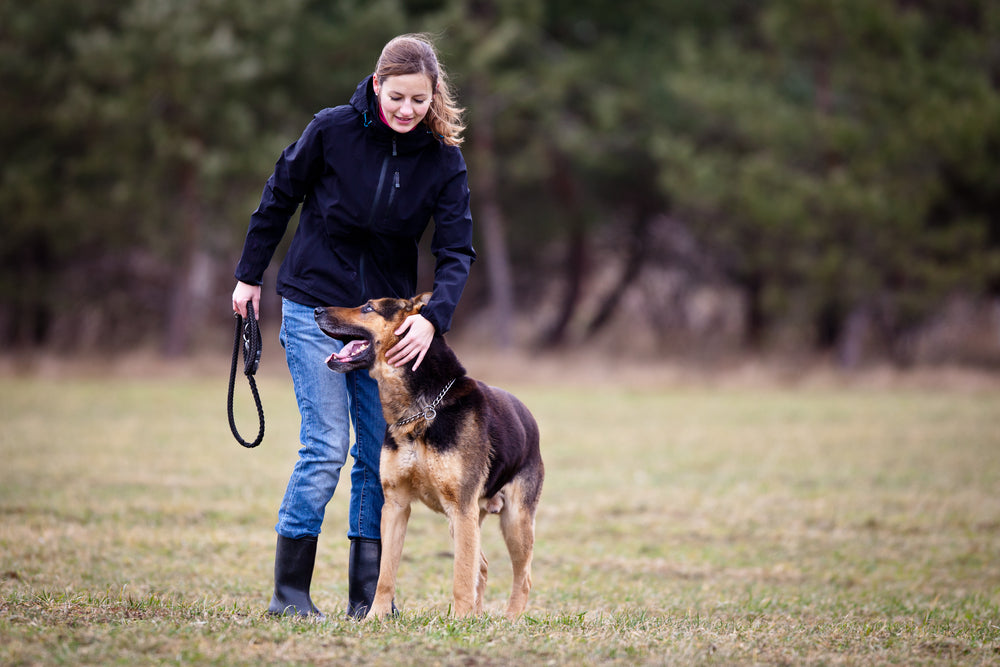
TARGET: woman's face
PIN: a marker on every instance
(405, 99)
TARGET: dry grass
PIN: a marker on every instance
(747, 521)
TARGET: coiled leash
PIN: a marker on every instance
(248, 338)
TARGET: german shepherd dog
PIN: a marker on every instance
(463, 448)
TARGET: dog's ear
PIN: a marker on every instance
(421, 300)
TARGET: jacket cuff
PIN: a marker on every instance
(431, 315)
(249, 279)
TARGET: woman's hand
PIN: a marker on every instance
(243, 293)
(414, 345)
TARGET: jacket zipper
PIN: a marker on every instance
(361, 275)
(392, 193)
(371, 215)
(395, 183)
(381, 184)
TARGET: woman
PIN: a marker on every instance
(369, 175)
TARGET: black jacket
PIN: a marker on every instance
(367, 195)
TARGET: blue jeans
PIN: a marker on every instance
(329, 403)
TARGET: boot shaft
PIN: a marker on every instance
(294, 560)
(362, 575)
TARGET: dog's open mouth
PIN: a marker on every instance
(359, 348)
(354, 350)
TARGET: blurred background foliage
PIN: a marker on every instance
(677, 178)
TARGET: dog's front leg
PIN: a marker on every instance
(395, 515)
(465, 525)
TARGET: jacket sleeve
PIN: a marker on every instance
(295, 172)
(452, 247)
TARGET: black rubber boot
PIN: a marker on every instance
(293, 570)
(362, 576)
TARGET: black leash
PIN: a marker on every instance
(248, 338)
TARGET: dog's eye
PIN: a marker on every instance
(367, 308)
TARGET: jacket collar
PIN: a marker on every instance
(365, 103)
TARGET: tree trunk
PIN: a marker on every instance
(756, 319)
(854, 334)
(634, 259)
(576, 253)
(489, 215)
(183, 303)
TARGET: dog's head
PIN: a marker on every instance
(367, 331)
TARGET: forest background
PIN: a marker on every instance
(674, 179)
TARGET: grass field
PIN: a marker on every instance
(680, 524)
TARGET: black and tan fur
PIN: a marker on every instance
(478, 455)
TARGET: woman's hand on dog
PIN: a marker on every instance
(419, 334)
(245, 292)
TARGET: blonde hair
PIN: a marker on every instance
(415, 54)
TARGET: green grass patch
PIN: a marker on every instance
(677, 526)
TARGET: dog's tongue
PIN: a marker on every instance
(349, 351)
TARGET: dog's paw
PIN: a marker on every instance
(380, 611)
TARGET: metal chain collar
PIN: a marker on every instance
(428, 412)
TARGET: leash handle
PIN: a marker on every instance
(248, 339)
(251, 342)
